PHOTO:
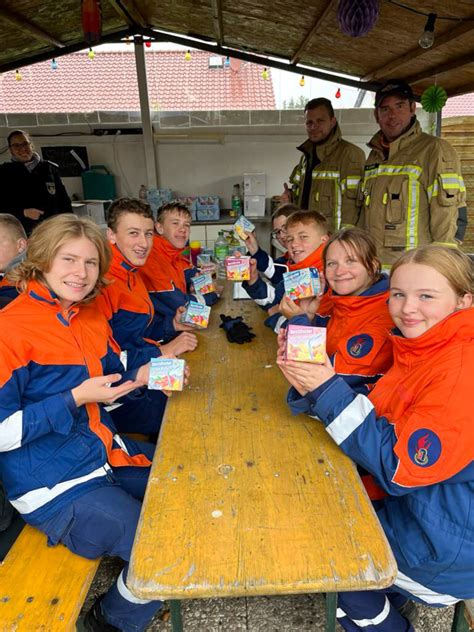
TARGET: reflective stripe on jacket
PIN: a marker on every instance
(335, 180)
(412, 197)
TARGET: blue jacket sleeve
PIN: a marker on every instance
(22, 423)
(351, 420)
(272, 269)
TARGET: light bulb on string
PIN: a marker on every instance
(187, 55)
(54, 64)
(265, 73)
(227, 62)
(302, 81)
(18, 75)
(91, 54)
(427, 37)
(148, 43)
(338, 93)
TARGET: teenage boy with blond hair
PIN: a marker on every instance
(167, 273)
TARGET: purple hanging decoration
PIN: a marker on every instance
(357, 17)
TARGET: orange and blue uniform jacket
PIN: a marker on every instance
(358, 340)
(52, 450)
(414, 433)
(267, 296)
(129, 310)
(167, 276)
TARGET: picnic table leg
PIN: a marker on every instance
(176, 618)
(459, 622)
(331, 607)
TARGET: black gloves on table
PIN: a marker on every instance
(236, 330)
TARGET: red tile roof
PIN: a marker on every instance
(459, 106)
(109, 83)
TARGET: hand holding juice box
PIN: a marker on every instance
(305, 344)
(302, 283)
(196, 314)
(238, 268)
(203, 284)
(243, 227)
(166, 374)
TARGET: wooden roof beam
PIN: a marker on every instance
(218, 23)
(388, 69)
(465, 89)
(435, 71)
(22, 24)
(309, 36)
(128, 10)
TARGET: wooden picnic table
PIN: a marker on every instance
(245, 499)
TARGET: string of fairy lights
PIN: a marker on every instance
(356, 19)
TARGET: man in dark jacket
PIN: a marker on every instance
(31, 187)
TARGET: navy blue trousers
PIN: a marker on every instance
(373, 610)
(103, 522)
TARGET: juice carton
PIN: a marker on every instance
(305, 344)
(238, 268)
(166, 374)
(196, 314)
(205, 264)
(203, 259)
(243, 227)
(302, 283)
(203, 283)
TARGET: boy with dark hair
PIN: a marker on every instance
(167, 273)
(306, 234)
(130, 312)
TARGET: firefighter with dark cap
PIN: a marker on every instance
(413, 192)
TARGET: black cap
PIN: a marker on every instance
(391, 87)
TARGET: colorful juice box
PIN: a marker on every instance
(243, 227)
(203, 283)
(302, 283)
(305, 344)
(203, 259)
(238, 268)
(166, 374)
(196, 314)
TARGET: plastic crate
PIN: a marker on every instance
(158, 197)
(208, 208)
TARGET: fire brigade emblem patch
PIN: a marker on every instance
(51, 188)
(424, 447)
(359, 346)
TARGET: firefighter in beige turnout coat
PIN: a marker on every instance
(412, 192)
(328, 175)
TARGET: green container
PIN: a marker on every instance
(98, 183)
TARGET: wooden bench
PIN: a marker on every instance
(42, 587)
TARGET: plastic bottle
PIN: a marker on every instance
(142, 193)
(195, 250)
(236, 202)
(221, 250)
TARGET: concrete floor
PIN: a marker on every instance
(301, 613)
